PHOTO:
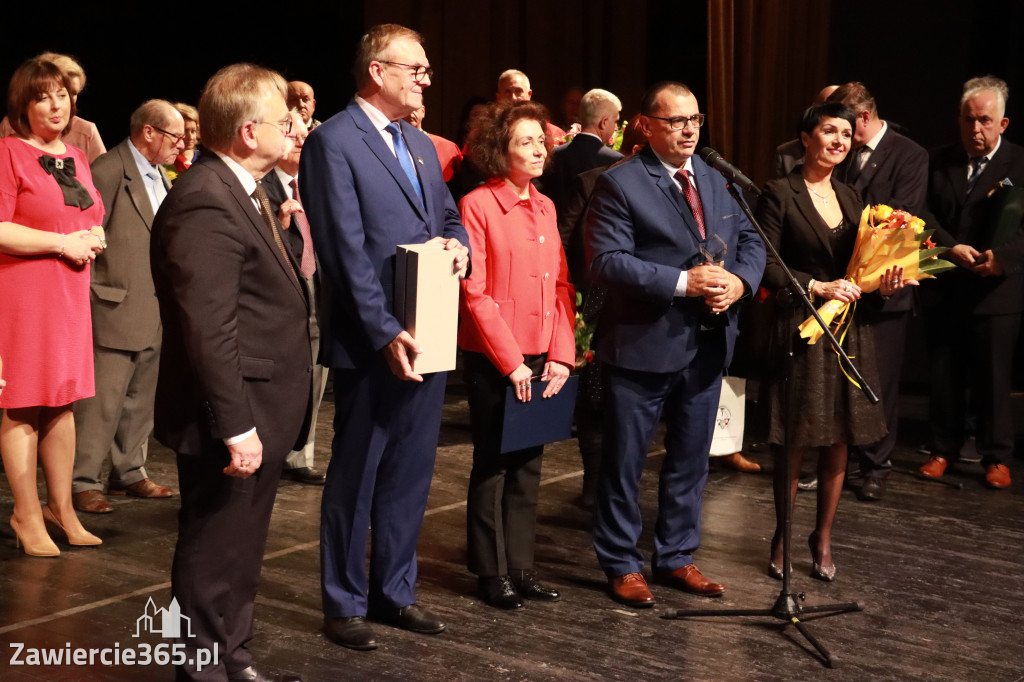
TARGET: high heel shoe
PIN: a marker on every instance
(47, 548)
(83, 539)
(825, 573)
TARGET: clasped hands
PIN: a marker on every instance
(846, 291)
(83, 246)
(522, 376)
(983, 263)
(719, 287)
(400, 352)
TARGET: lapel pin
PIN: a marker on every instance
(419, 160)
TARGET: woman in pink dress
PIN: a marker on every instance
(50, 216)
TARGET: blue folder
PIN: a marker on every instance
(540, 421)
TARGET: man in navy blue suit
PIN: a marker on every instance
(649, 220)
(370, 181)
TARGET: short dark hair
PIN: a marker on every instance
(814, 113)
(373, 46)
(31, 80)
(488, 145)
(650, 98)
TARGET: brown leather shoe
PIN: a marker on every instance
(997, 476)
(737, 462)
(92, 501)
(631, 590)
(934, 467)
(143, 488)
(689, 579)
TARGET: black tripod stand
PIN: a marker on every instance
(786, 606)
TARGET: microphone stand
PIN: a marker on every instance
(787, 606)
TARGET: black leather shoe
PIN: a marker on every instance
(527, 586)
(872, 490)
(352, 633)
(413, 618)
(252, 674)
(498, 592)
(307, 475)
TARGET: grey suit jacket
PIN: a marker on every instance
(125, 313)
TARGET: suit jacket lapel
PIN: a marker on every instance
(372, 138)
(671, 191)
(246, 206)
(806, 207)
(877, 158)
(136, 186)
(995, 170)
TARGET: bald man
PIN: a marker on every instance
(514, 86)
(302, 100)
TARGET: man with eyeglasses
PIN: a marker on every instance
(369, 182)
(235, 366)
(976, 202)
(117, 421)
(676, 255)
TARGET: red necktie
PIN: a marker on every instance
(693, 199)
(308, 263)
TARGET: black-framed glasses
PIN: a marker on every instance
(679, 122)
(176, 138)
(418, 72)
(284, 125)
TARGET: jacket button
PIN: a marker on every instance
(541, 239)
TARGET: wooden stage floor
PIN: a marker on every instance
(940, 573)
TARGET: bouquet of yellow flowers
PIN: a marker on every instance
(885, 239)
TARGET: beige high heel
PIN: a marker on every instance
(47, 548)
(85, 539)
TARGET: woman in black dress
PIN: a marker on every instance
(812, 220)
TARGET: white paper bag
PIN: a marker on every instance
(728, 433)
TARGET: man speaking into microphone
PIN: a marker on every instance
(652, 224)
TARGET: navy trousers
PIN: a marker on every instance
(382, 460)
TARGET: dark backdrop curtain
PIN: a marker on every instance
(767, 59)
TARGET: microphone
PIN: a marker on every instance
(731, 172)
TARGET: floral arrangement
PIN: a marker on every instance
(584, 335)
(616, 139)
(885, 238)
(572, 132)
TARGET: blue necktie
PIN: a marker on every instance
(977, 165)
(402, 152)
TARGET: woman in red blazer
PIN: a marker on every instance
(517, 313)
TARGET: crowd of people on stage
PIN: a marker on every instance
(196, 283)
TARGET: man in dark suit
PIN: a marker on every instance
(118, 420)
(302, 99)
(369, 182)
(886, 168)
(973, 313)
(649, 219)
(599, 117)
(234, 388)
(283, 191)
